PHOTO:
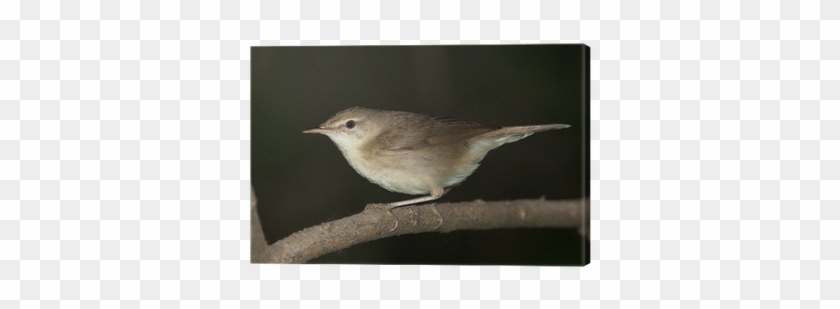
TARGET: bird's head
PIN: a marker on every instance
(350, 128)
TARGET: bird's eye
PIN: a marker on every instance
(350, 124)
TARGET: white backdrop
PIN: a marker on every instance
(124, 153)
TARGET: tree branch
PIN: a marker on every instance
(374, 223)
(259, 246)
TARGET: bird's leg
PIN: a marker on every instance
(435, 194)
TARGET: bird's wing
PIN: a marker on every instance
(430, 132)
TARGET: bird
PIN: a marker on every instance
(416, 154)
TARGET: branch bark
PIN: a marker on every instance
(374, 223)
(259, 246)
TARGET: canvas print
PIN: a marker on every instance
(448, 155)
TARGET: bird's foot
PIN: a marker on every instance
(432, 206)
(387, 209)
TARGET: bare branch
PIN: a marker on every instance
(259, 246)
(374, 223)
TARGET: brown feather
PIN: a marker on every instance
(422, 131)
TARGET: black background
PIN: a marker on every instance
(302, 179)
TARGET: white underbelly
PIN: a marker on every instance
(408, 178)
(407, 185)
(394, 179)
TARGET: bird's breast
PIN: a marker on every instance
(413, 171)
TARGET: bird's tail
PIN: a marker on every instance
(526, 130)
(511, 134)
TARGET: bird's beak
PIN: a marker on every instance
(318, 130)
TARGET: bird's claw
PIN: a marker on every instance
(396, 221)
(432, 206)
(387, 209)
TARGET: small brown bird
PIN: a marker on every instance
(416, 154)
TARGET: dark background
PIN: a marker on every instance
(302, 180)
